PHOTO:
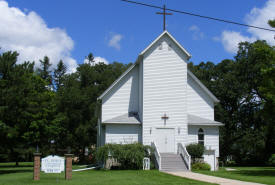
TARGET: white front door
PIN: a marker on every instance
(165, 140)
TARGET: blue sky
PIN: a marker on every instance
(117, 31)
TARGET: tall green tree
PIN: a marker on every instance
(44, 70)
(242, 85)
(90, 59)
(26, 107)
(59, 74)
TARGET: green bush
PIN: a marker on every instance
(201, 166)
(195, 150)
(271, 160)
(130, 156)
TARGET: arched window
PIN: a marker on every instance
(201, 136)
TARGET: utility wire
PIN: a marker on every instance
(197, 15)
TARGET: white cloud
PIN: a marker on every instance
(98, 60)
(194, 28)
(231, 39)
(257, 17)
(115, 41)
(27, 33)
(101, 59)
(197, 34)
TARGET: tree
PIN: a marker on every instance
(245, 87)
(272, 23)
(44, 71)
(90, 59)
(26, 108)
(59, 74)
(267, 89)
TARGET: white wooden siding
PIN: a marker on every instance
(123, 98)
(211, 136)
(123, 134)
(164, 90)
(198, 102)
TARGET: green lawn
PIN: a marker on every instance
(23, 175)
(265, 175)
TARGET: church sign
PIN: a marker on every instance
(53, 164)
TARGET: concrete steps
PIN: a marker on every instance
(172, 162)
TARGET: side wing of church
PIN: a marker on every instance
(159, 102)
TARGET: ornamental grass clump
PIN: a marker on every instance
(129, 156)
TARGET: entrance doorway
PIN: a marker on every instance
(165, 140)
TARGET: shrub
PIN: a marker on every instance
(201, 166)
(271, 160)
(195, 150)
(130, 156)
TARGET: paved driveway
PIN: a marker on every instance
(211, 179)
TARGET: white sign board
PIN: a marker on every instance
(52, 164)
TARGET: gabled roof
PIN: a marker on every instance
(124, 119)
(172, 38)
(140, 57)
(210, 94)
(196, 120)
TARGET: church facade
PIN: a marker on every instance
(159, 102)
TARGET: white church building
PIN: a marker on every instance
(159, 102)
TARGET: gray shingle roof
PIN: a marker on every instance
(196, 120)
(127, 118)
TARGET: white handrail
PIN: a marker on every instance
(187, 158)
(157, 154)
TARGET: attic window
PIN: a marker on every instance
(160, 46)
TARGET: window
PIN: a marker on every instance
(201, 136)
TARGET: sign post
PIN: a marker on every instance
(36, 166)
(68, 171)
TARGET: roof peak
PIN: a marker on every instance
(165, 32)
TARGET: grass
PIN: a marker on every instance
(265, 175)
(9, 174)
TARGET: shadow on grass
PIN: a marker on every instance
(13, 166)
(262, 173)
(15, 171)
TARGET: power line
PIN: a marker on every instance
(197, 15)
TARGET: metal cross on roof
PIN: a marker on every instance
(165, 117)
(164, 14)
